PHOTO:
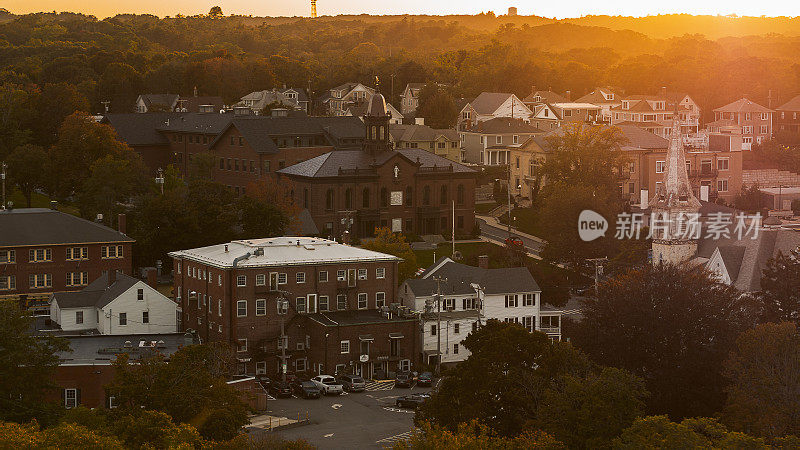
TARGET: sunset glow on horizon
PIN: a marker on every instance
(557, 10)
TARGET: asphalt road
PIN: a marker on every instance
(500, 234)
(352, 420)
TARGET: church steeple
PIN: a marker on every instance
(673, 206)
(376, 121)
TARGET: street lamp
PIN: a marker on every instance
(160, 179)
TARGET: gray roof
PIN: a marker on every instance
(493, 281)
(98, 293)
(791, 105)
(641, 138)
(41, 226)
(745, 270)
(192, 104)
(546, 97)
(103, 349)
(351, 317)
(420, 133)
(425, 287)
(488, 102)
(138, 129)
(328, 165)
(166, 100)
(499, 125)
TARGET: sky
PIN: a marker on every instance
(556, 9)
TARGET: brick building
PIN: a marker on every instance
(245, 147)
(409, 190)
(755, 120)
(43, 251)
(787, 117)
(230, 292)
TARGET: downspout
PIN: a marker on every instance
(231, 283)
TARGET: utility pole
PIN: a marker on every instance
(454, 228)
(439, 323)
(509, 196)
(3, 166)
(598, 270)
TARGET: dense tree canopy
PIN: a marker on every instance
(780, 288)
(672, 326)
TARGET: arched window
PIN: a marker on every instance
(426, 195)
(348, 198)
(409, 197)
(443, 195)
(460, 194)
(365, 198)
(384, 197)
(329, 199)
(382, 130)
(374, 134)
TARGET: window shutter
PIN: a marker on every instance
(77, 397)
(63, 397)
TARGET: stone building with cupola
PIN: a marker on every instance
(350, 193)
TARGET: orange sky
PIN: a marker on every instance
(104, 8)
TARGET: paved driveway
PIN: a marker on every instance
(500, 234)
(367, 419)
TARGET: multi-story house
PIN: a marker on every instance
(655, 113)
(443, 142)
(43, 251)
(152, 103)
(488, 142)
(115, 303)
(491, 105)
(755, 120)
(156, 103)
(320, 303)
(410, 97)
(454, 299)
(410, 190)
(360, 109)
(289, 98)
(787, 117)
(337, 100)
(605, 98)
(537, 98)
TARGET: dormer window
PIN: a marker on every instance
(626, 104)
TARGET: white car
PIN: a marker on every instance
(328, 384)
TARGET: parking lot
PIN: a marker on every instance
(366, 419)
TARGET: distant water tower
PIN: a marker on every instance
(313, 8)
(512, 10)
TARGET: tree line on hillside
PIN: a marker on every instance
(118, 58)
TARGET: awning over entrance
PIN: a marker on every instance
(396, 336)
(366, 337)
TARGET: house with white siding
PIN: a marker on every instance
(115, 304)
(490, 105)
(454, 299)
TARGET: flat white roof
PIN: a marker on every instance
(572, 105)
(280, 251)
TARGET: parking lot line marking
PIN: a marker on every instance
(395, 438)
(328, 435)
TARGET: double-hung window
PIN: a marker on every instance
(241, 308)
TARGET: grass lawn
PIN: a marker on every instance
(39, 201)
(524, 220)
(484, 208)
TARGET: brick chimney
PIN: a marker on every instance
(122, 223)
(568, 94)
(483, 261)
(152, 278)
(112, 276)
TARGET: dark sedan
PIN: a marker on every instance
(425, 379)
(411, 401)
(280, 389)
(403, 380)
(306, 389)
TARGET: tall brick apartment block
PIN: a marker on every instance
(338, 318)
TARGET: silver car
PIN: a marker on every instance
(328, 384)
(353, 383)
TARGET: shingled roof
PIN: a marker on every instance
(499, 125)
(791, 105)
(328, 165)
(418, 133)
(493, 281)
(488, 102)
(41, 226)
(743, 105)
(98, 293)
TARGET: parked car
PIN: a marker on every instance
(280, 389)
(403, 379)
(425, 379)
(306, 389)
(328, 385)
(411, 401)
(352, 383)
(515, 242)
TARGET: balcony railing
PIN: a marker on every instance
(703, 173)
(550, 330)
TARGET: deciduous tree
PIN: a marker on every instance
(474, 435)
(673, 326)
(27, 169)
(780, 288)
(395, 244)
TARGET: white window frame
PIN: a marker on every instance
(300, 304)
(341, 299)
(380, 299)
(261, 367)
(261, 307)
(661, 166)
(322, 277)
(74, 398)
(284, 277)
(344, 347)
(362, 296)
(261, 279)
(341, 275)
(362, 274)
(326, 303)
(239, 306)
(300, 277)
(219, 307)
(241, 280)
(123, 319)
(380, 273)
(726, 164)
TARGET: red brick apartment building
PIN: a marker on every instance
(233, 292)
(43, 251)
